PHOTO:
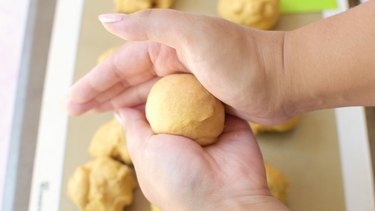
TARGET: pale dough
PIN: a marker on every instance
(102, 185)
(109, 141)
(260, 14)
(163, 3)
(178, 104)
(130, 6)
(284, 127)
(277, 183)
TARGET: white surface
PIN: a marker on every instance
(47, 175)
(355, 159)
(12, 32)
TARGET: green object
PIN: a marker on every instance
(306, 6)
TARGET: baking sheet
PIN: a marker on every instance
(309, 155)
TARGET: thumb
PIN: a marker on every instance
(137, 131)
(173, 28)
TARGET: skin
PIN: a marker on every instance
(119, 82)
(175, 173)
(264, 77)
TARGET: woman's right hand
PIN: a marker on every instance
(242, 67)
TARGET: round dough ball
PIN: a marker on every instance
(277, 183)
(260, 14)
(163, 3)
(130, 6)
(102, 185)
(109, 141)
(178, 104)
(284, 127)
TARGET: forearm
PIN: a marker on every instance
(331, 63)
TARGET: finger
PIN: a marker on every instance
(80, 108)
(236, 132)
(169, 27)
(129, 65)
(110, 93)
(137, 131)
(238, 140)
(76, 109)
(133, 96)
(233, 124)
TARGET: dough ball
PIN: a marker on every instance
(102, 185)
(178, 104)
(284, 127)
(277, 183)
(130, 6)
(163, 3)
(260, 14)
(109, 141)
(78, 186)
(106, 54)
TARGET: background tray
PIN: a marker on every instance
(309, 155)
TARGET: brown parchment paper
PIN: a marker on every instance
(309, 155)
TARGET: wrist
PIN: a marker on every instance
(297, 86)
(270, 46)
(259, 203)
(262, 202)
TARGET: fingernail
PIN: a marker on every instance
(118, 118)
(111, 18)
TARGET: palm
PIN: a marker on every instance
(180, 167)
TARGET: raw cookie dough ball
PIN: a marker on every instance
(284, 127)
(260, 14)
(178, 104)
(163, 3)
(106, 54)
(277, 183)
(109, 141)
(130, 6)
(102, 185)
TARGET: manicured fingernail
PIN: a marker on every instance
(111, 18)
(118, 118)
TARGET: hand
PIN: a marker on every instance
(242, 67)
(175, 173)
